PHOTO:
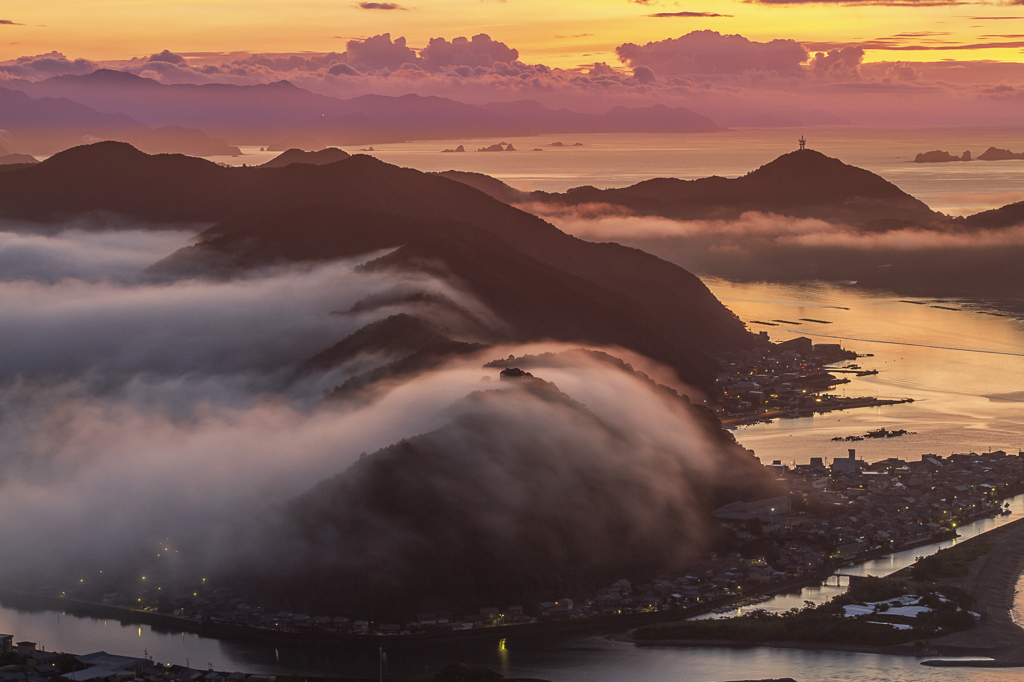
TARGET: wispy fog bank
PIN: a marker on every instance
(951, 261)
(114, 256)
(136, 413)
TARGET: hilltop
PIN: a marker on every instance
(543, 283)
(317, 158)
(515, 515)
(803, 183)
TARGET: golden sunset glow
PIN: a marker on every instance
(559, 34)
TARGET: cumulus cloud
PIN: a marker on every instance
(45, 66)
(380, 52)
(644, 75)
(709, 52)
(167, 56)
(713, 74)
(482, 50)
(839, 64)
(901, 71)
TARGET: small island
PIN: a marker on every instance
(940, 157)
(500, 147)
(458, 149)
(994, 154)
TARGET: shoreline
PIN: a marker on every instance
(992, 579)
(618, 626)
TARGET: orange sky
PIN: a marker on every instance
(562, 34)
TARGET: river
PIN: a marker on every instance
(965, 371)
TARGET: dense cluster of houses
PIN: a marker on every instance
(830, 515)
(833, 515)
(788, 376)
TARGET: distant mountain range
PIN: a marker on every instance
(46, 125)
(265, 114)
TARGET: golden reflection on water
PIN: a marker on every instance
(964, 370)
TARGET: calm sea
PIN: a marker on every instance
(616, 160)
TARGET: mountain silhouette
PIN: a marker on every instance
(318, 158)
(803, 183)
(543, 283)
(490, 510)
(267, 113)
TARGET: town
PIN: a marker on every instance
(829, 517)
(787, 380)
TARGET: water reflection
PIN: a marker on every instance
(964, 371)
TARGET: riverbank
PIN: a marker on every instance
(992, 579)
(996, 564)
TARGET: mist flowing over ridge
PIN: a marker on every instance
(803, 216)
(543, 282)
(184, 400)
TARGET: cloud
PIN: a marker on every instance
(167, 56)
(341, 69)
(46, 65)
(8, 22)
(901, 71)
(482, 50)
(180, 400)
(839, 64)
(733, 80)
(882, 3)
(667, 15)
(379, 52)
(762, 246)
(380, 5)
(644, 75)
(85, 255)
(709, 52)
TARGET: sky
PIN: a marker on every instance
(933, 62)
(560, 34)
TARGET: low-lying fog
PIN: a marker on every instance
(135, 409)
(767, 247)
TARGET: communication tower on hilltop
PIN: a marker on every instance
(803, 143)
